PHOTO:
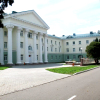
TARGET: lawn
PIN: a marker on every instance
(4, 67)
(71, 70)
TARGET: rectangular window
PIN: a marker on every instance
(51, 57)
(5, 44)
(87, 41)
(37, 57)
(37, 46)
(21, 57)
(30, 35)
(74, 57)
(47, 48)
(55, 43)
(73, 42)
(79, 48)
(67, 49)
(51, 49)
(5, 33)
(67, 57)
(55, 49)
(42, 40)
(37, 37)
(56, 57)
(79, 42)
(59, 57)
(5, 57)
(59, 49)
(73, 49)
(67, 43)
(42, 48)
(47, 41)
(59, 43)
(21, 33)
(51, 41)
(21, 44)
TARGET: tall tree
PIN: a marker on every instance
(93, 50)
(3, 5)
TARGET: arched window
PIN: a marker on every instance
(29, 48)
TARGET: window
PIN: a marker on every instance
(74, 57)
(51, 57)
(55, 42)
(30, 35)
(42, 48)
(5, 57)
(37, 37)
(51, 49)
(51, 41)
(67, 49)
(29, 48)
(21, 44)
(47, 48)
(67, 57)
(5, 44)
(42, 40)
(47, 41)
(5, 33)
(67, 43)
(59, 57)
(56, 57)
(37, 46)
(21, 33)
(21, 57)
(79, 48)
(79, 42)
(87, 41)
(59, 49)
(73, 42)
(59, 43)
(73, 49)
(37, 57)
(55, 49)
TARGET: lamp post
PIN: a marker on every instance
(81, 52)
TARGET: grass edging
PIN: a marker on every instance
(85, 70)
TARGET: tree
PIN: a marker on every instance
(3, 5)
(93, 51)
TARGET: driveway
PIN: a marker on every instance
(27, 76)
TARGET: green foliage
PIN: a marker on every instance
(96, 40)
(71, 70)
(2, 68)
(93, 50)
(3, 5)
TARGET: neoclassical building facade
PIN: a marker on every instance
(24, 40)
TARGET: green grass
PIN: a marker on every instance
(4, 67)
(71, 70)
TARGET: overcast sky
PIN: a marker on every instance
(64, 17)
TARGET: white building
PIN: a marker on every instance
(24, 39)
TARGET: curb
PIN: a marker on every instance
(85, 70)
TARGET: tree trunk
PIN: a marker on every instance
(96, 61)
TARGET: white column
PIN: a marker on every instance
(45, 48)
(18, 45)
(34, 47)
(26, 47)
(10, 27)
(1, 46)
(40, 48)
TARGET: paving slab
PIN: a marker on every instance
(27, 76)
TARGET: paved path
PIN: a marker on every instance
(26, 76)
(84, 86)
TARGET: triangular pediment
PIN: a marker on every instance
(32, 17)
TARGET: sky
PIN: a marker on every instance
(64, 17)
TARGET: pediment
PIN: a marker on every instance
(31, 17)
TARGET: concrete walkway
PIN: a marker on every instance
(27, 76)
